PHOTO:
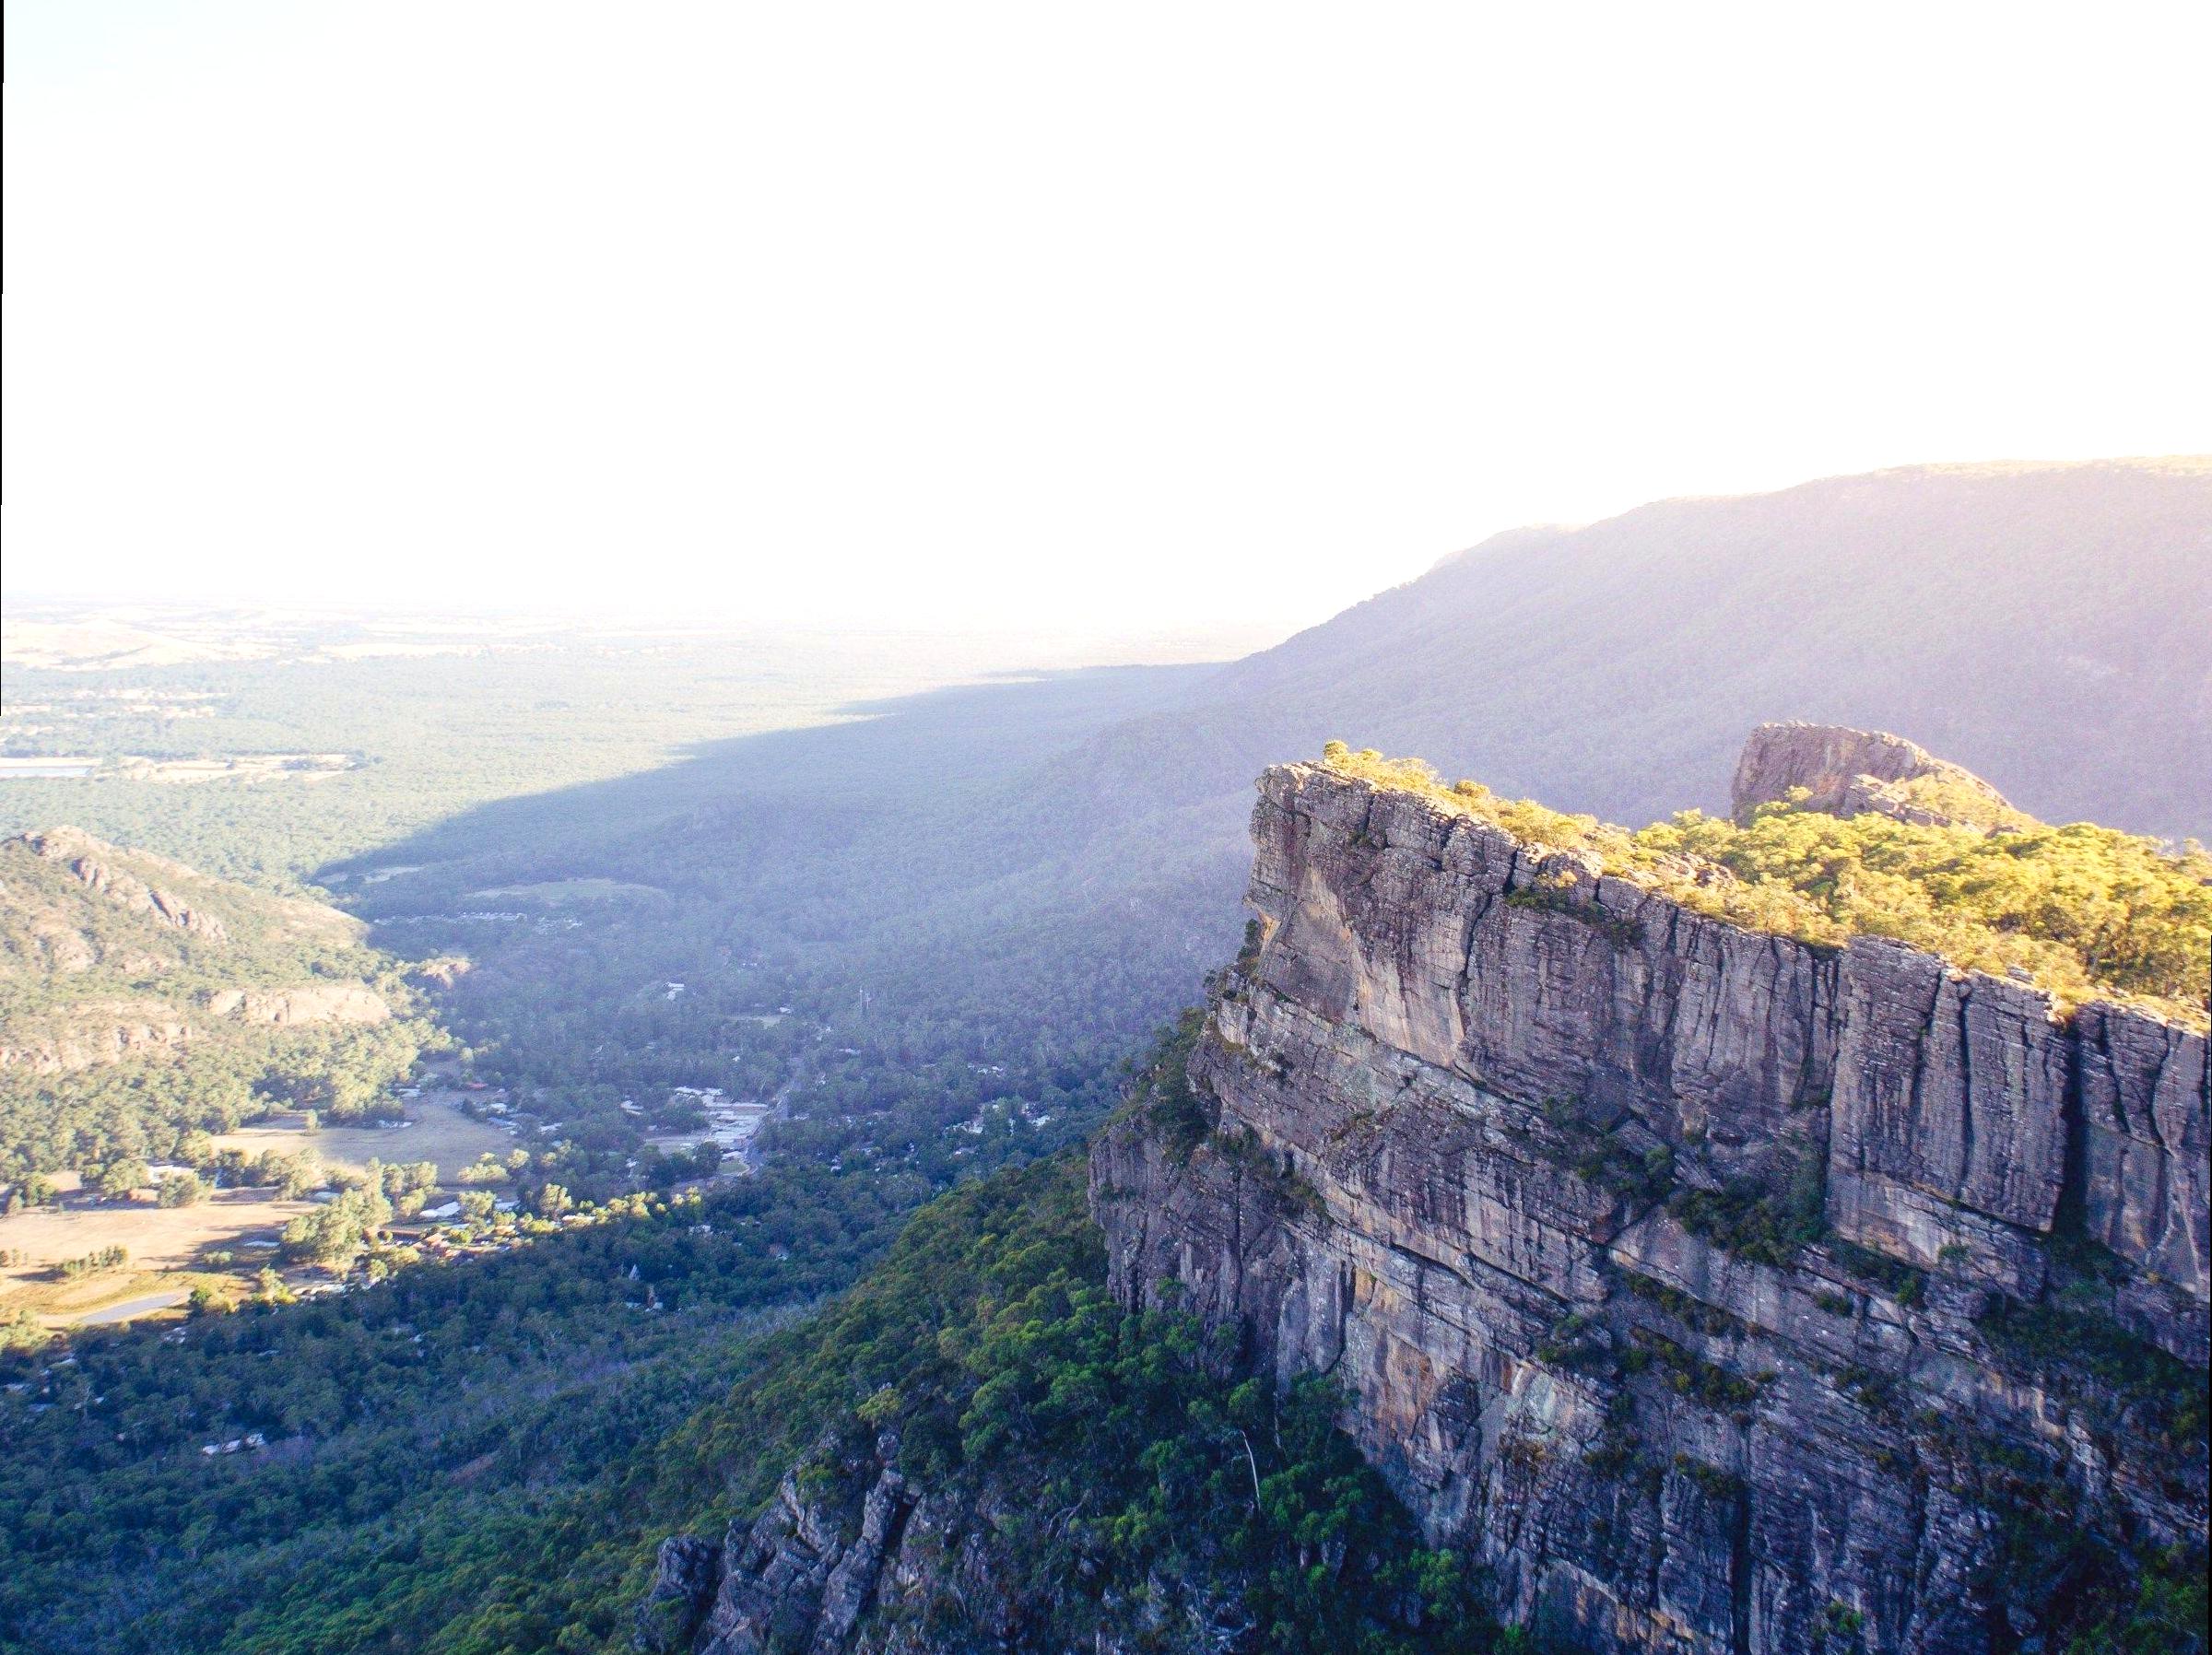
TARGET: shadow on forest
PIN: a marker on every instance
(905, 756)
(1015, 852)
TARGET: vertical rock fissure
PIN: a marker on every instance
(2152, 1086)
(2072, 1216)
(1740, 1575)
(1966, 1098)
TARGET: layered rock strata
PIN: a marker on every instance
(1716, 1291)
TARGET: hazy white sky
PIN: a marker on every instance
(968, 313)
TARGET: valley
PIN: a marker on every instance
(789, 985)
(1169, 830)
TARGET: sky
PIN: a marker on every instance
(1007, 315)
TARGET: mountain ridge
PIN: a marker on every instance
(141, 999)
(1501, 1161)
(1917, 570)
(2178, 465)
(1713, 1292)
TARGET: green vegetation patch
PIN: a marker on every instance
(1689, 1374)
(1162, 1090)
(1900, 1280)
(1695, 1312)
(2094, 1359)
(2086, 911)
(1768, 1220)
(1609, 1157)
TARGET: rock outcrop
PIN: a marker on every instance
(800, 1575)
(304, 1003)
(100, 869)
(1848, 772)
(97, 1032)
(1714, 1291)
(117, 954)
(71, 904)
(851, 1557)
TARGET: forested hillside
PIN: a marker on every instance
(429, 1441)
(141, 1000)
(1030, 872)
(483, 1457)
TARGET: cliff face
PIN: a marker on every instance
(1845, 772)
(851, 1557)
(1716, 1292)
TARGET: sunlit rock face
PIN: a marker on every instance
(1457, 1144)
(1848, 772)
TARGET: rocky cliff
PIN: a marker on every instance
(108, 954)
(1846, 772)
(851, 1557)
(1716, 1291)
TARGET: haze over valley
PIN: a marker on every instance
(470, 945)
(1165, 830)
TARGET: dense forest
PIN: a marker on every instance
(552, 825)
(430, 720)
(451, 1403)
(519, 1431)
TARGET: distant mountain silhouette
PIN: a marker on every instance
(2049, 626)
(1066, 855)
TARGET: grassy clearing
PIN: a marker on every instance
(558, 893)
(168, 1247)
(436, 1131)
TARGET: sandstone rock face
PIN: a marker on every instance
(2143, 1086)
(851, 1558)
(98, 1032)
(1681, 1275)
(1846, 772)
(104, 1031)
(306, 1003)
(686, 1573)
(795, 1579)
(1949, 1111)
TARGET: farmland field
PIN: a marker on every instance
(436, 1130)
(168, 1247)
